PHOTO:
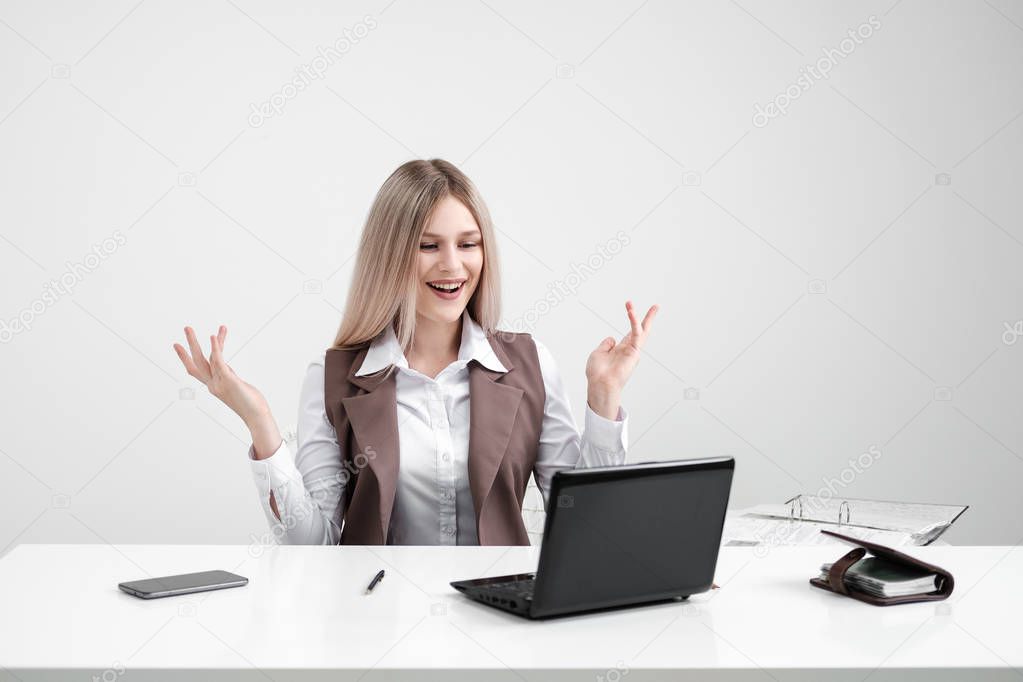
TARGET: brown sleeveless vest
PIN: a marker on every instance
(505, 418)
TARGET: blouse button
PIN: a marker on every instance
(446, 457)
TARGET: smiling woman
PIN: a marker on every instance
(438, 217)
(423, 422)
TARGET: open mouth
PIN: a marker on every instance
(447, 288)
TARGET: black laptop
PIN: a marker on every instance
(620, 536)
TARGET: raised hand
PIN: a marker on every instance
(610, 365)
(242, 397)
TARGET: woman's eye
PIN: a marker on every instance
(469, 245)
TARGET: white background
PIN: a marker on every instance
(576, 121)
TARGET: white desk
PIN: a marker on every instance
(303, 615)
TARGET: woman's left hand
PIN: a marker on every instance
(611, 364)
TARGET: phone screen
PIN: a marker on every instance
(184, 582)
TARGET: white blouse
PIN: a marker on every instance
(433, 504)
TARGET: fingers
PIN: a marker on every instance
(216, 357)
(638, 334)
(649, 317)
(219, 363)
(632, 319)
(197, 355)
(185, 360)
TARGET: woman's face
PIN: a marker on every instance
(450, 252)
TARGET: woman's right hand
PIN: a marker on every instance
(242, 397)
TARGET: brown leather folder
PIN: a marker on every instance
(836, 583)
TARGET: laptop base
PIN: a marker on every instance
(514, 594)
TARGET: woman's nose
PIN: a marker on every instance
(449, 258)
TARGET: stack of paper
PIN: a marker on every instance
(800, 519)
(882, 578)
(750, 530)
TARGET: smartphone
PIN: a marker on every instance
(186, 583)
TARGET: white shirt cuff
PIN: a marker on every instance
(605, 434)
(274, 471)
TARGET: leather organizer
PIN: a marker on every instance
(836, 582)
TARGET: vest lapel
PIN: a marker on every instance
(373, 416)
(492, 410)
(374, 419)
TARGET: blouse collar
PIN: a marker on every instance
(385, 349)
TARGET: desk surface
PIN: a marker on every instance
(304, 610)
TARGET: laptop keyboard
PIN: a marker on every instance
(521, 589)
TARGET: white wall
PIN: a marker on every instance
(132, 122)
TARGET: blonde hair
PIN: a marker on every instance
(385, 280)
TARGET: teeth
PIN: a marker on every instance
(446, 287)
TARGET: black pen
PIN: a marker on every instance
(376, 579)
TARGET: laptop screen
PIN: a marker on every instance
(617, 535)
